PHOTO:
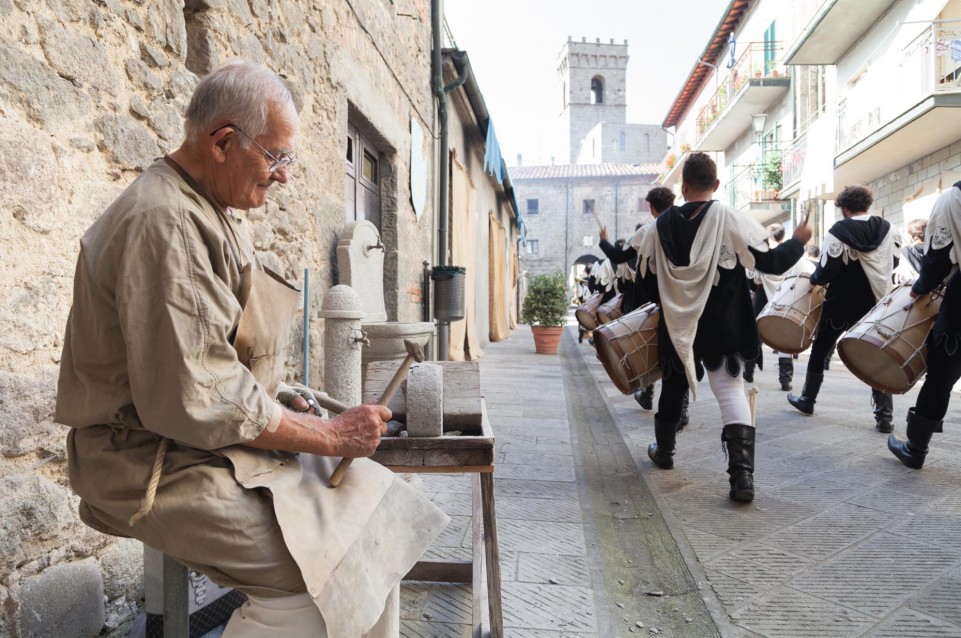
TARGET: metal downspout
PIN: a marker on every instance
(443, 164)
(567, 223)
(440, 91)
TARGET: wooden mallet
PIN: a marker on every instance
(414, 353)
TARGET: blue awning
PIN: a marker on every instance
(495, 166)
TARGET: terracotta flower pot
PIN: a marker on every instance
(546, 338)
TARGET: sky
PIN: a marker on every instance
(514, 45)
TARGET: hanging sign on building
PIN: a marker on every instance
(418, 169)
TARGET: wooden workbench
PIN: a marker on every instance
(472, 453)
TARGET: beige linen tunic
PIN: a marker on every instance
(148, 355)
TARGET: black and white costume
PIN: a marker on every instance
(634, 295)
(633, 298)
(856, 265)
(692, 261)
(940, 264)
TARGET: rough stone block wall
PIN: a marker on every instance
(891, 191)
(91, 92)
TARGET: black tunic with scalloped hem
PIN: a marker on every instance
(727, 330)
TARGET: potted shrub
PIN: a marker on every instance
(545, 310)
(771, 175)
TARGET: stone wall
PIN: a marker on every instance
(891, 191)
(561, 226)
(90, 93)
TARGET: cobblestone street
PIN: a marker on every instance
(842, 540)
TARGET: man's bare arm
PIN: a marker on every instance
(355, 433)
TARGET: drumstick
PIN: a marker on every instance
(598, 218)
(752, 393)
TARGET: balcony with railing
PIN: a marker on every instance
(792, 161)
(755, 188)
(752, 85)
(833, 26)
(757, 183)
(903, 107)
(672, 164)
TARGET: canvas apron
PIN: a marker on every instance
(352, 544)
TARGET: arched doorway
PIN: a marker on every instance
(578, 274)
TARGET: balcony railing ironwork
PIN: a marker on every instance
(759, 60)
(752, 183)
(792, 160)
(929, 65)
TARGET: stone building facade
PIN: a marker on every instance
(90, 94)
(613, 163)
(593, 121)
(556, 202)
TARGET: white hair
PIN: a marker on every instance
(238, 92)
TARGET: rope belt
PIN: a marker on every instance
(155, 474)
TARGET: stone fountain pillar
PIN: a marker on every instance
(343, 344)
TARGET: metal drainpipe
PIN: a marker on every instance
(437, 86)
(440, 91)
(567, 222)
(616, 227)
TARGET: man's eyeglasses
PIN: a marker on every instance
(277, 163)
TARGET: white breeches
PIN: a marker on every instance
(297, 617)
(729, 392)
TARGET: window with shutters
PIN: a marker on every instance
(363, 176)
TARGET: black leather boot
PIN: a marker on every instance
(739, 440)
(684, 417)
(749, 367)
(830, 355)
(805, 402)
(785, 373)
(883, 410)
(913, 451)
(645, 397)
(662, 450)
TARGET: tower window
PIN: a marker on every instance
(533, 207)
(588, 206)
(597, 90)
(621, 141)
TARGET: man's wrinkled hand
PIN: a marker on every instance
(357, 431)
(603, 234)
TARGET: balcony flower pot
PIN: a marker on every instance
(545, 309)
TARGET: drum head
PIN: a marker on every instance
(874, 366)
(586, 319)
(783, 335)
(611, 358)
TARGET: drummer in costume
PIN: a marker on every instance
(603, 279)
(659, 198)
(692, 259)
(857, 259)
(766, 286)
(940, 263)
(585, 288)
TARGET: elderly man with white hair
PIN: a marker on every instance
(172, 361)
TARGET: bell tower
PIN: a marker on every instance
(593, 78)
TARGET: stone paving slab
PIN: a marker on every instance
(841, 540)
(560, 578)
